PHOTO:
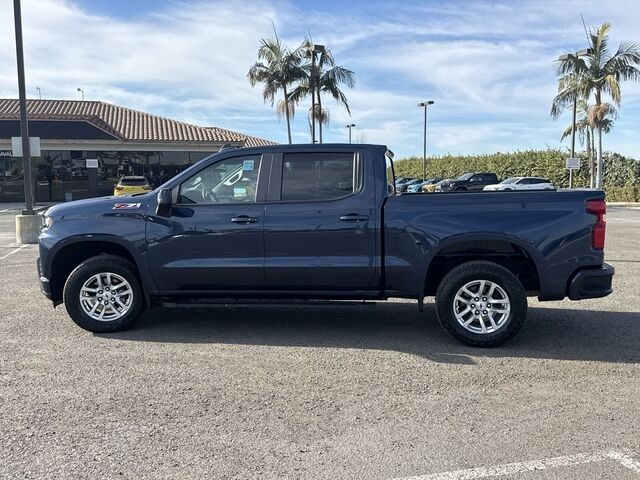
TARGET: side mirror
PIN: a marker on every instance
(164, 203)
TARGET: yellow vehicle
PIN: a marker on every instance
(131, 185)
(430, 186)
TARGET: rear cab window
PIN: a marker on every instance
(308, 177)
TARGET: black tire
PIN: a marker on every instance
(93, 266)
(474, 271)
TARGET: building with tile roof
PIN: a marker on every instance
(124, 141)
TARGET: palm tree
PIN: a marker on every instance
(277, 68)
(584, 131)
(327, 78)
(599, 73)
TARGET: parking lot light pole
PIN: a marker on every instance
(81, 92)
(24, 124)
(424, 145)
(350, 126)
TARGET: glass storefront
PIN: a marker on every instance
(62, 175)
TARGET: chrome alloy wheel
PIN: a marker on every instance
(481, 306)
(106, 297)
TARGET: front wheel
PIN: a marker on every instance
(103, 294)
(481, 303)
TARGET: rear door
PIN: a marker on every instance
(321, 223)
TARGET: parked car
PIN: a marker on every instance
(468, 181)
(416, 187)
(521, 183)
(403, 187)
(430, 186)
(131, 185)
(323, 222)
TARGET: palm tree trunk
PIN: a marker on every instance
(599, 176)
(286, 113)
(590, 149)
(320, 115)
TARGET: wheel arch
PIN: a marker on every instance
(521, 258)
(76, 250)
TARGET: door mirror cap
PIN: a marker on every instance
(164, 202)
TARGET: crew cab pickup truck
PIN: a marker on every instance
(322, 222)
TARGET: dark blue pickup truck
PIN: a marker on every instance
(322, 222)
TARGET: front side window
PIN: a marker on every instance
(317, 176)
(233, 180)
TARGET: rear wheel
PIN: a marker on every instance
(103, 294)
(481, 303)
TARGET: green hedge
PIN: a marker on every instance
(621, 181)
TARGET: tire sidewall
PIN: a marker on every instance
(90, 267)
(469, 272)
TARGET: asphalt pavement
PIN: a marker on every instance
(328, 392)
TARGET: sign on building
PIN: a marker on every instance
(16, 146)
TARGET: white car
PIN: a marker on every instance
(521, 183)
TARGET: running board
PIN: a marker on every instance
(227, 302)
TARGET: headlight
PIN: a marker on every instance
(47, 222)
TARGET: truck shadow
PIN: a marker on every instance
(550, 333)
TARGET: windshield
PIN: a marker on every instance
(511, 180)
(465, 176)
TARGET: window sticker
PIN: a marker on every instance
(239, 192)
(247, 165)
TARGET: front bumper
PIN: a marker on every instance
(45, 285)
(592, 283)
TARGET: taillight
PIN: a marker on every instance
(599, 209)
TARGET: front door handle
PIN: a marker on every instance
(354, 217)
(244, 219)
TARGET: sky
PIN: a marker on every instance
(488, 65)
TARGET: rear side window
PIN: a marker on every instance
(317, 176)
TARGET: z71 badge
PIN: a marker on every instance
(126, 206)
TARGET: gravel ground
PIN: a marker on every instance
(325, 392)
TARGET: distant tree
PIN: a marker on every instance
(326, 78)
(585, 132)
(599, 73)
(278, 69)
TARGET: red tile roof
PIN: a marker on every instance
(127, 124)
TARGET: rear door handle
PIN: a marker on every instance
(244, 219)
(354, 217)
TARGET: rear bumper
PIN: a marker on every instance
(592, 283)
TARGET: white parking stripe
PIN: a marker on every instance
(625, 460)
(13, 251)
(531, 466)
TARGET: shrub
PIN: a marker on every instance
(620, 173)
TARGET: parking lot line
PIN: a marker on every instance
(13, 251)
(531, 466)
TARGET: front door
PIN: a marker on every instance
(320, 227)
(213, 239)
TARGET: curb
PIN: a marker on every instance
(627, 205)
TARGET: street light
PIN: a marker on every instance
(39, 93)
(350, 126)
(315, 49)
(24, 124)
(81, 92)
(424, 146)
(564, 57)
